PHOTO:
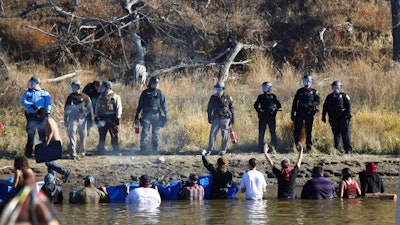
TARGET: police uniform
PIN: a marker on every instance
(78, 107)
(32, 100)
(220, 115)
(304, 107)
(108, 112)
(338, 107)
(152, 103)
(267, 105)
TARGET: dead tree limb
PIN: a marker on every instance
(48, 4)
(4, 63)
(65, 76)
(224, 72)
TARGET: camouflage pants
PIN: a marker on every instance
(219, 124)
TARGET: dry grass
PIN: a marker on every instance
(375, 126)
(365, 70)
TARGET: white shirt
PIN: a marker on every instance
(145, 196)
(254, 183)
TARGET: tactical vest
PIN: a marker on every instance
(76, 106)
(106, 104)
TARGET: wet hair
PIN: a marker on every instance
(252, 163)
(346, 174)
(41, 113)
(317, 171)
(21, 163)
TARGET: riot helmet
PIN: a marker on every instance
(33, 82)
(75, 86)
(220, 85)
(336, 86)
(105, 85)
(266, 87)
(306, 81)
(219, 88)
(153, 81)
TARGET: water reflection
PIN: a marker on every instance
(239, 211)
(256, 211)
(144, 214)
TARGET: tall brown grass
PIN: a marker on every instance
(374, 126)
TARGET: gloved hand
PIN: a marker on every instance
(210, 120)
(349, 116)
(136, 117)
(323, 119)
(34, 107)
(232, 121)
(292, 118)
(116, 121)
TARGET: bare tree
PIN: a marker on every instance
(396, 29)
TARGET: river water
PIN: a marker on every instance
(238, 211)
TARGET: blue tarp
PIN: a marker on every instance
(170, 192)
(5, 189)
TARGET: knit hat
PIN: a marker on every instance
(222, 161)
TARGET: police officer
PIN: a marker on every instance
(338, 106)
(304, 107)
(152, 104)
(267, 105)
(78, 107)
(220, 116)
(33, 99)
(108, 113)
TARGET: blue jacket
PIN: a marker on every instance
(41, 98)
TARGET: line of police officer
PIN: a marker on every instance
(220, 110)
(337, 105)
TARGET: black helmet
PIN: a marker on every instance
(220, 85)
(306, 79)
(266, 86)
(336, 83)
(153, 80)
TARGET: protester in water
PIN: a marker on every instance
(21, 164)
(145, 194)
(52, 190)
(253, 182)
(319, 187)
(89, 194)
(370, 180)
(29, 206)
(348, 187)
(221, 177)
(191, 190)
(286, 176)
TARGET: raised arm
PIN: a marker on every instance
(300, 149)
(266, 148)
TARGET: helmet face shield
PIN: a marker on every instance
(32, 84)
(336, 86)
(266, 87)
(218, 91)
(306, 81)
